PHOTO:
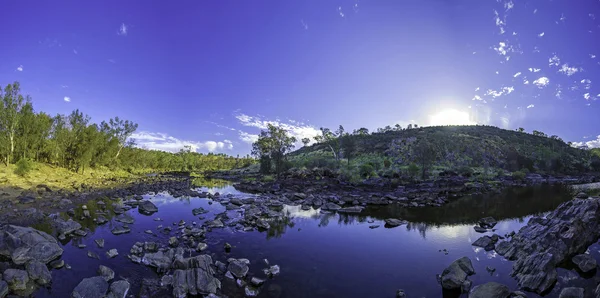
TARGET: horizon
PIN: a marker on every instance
(211, 76)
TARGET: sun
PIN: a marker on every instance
(450, 117)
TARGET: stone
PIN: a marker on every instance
(215, 224)
(147, 208)
(80, 233)
(198, 211)
(99, 242)
(166, 280)
(373, 226)
(160, 260)
(17, 279)
(120, 230)
(238, 269)
(255, 281)
(543, 243)
(173, 242)
(486, 242)
(57, 264)
(227, 247)
(91, 287)
(331, 207)
(262, 224)
(490, 290)
(479, 229)
(571, 292)
(150, 247)
(488, 222)
(106, 272)
(201, 246)
(394, 222)
(272, 271)
(584, 262)
(111, 253)
(194, 281)
(119, 289)
(39, 273)
(149, 232)
(24, 244)
(353, 209)
(3, 289)
(200, 261)
(93, 255)
(400, 294)
(125, 218)
(455, 275)
(66, 227)
(250, 291)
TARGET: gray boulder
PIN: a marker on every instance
(17, 279)
(571, 293)
(119, 289)
(173, 242)
(200, 261)
(66, 227)
(24, 244)
(456, 274)
(91, 287)
(120, 230)
(159, 260)
(331, 207)
(238, 268)
(394, 222)
(584, 262)
(198, 211)
(106, 272)
(488, 222)
(125, 218)
(490, 290)
(111, 253)
(195, 281)
(147, 207)
(39, 272)
(3, 289)
(479, 229)
(486, 242)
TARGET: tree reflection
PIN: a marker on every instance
(279, 227)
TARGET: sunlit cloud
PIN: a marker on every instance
(589, 144)
(248, 138)
(541, 34)
(163, 142)
(569, 71)
(530, 106)
(67, 99)
(542, 82)
(296, 129)
(554, 61)
(123, 30)
(20, 68)
(304, 25)
(534, 69)
(451, 117)
(517, 74)
(498, 93)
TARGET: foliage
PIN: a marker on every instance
(23, 168)
(273, 143)
(519, 175)
(413, 170)
(366, 170)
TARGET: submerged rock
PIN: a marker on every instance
(584, 262)
(147, 207)
(238, 268)
(100, 243)
(479, 229)
(456, 274)
(24, 244)
(394, 222)
(125, 218)
(106, 272)
(198, 211)
(120, 230)
(545, 242)
(490, 290)
(39, 273)
(92, 287)
(118, 289)
(486, 242)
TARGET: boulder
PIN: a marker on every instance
(479, 229)
(571, 293)
(198, 211)
(3, 289)
(353, 209)
(39, 272)
(125, 218)
(488, 222)
(584, 262)
(200, 261)
(106, 272)
(24, 244)
(173, 242)
(120, 230)
(99, 242)
(66, 227)
(119, 289)
(546, 242)
(238, 268)
(111, 253)
(262, 224)
(394, 222)
(456, 274)
(147, 207)
(160, 260)
(486, 242)
(331, 207)
(91, 287)
(17, 279)
(490, 290)
(195, 281)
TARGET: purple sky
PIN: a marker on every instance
(212, 73)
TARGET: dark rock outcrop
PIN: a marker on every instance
(456, 274)
(24, 244)
(584, 262)
(147, 207)
(490, 290)
(92, 287)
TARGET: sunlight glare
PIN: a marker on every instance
(450, 117)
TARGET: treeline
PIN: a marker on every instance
(74, 142)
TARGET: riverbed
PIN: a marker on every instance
(328, 255)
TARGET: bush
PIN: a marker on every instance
(268, 178)
(465, 171)
(519, 175)
(366, 170)
(413, 170)
(24, 166)
(387, 163)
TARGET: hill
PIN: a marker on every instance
(429, 150)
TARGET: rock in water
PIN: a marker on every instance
(486, 242)
(456, 274)
(106, 272)
(39, 273)
(111, 253)
(545, 242)
(488, 222)
(147, 207)
(119, 289)
(194, 281)
(584, 262)
(571, 293)
(92, 287)
(490, 290)
(479, 229)
(100, 243)
(394, 222)
(331, 207)
(238, 269)
(120, 230)
(66, 227)
(16, 279)
(125, 218)
(22, 245)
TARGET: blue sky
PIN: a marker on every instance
(211, 74)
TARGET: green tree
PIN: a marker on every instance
(425, 154)
(305, 141)
(361, 132)
(12, 103)
(272, 145)
(521, 129)
(348, 146)
(332, 139)
(121, 130)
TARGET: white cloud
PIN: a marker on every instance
(517, 74)
(587, 96)
(123, 29)
(569, 71)
(526, 82)
(534, 69)
(340, 11)
(535, 10)
(248, 138)
(541, 82)
(501, 49)
(499, 22)
(530, 106)
(587, 84)
(67, 99)
(163, 142)
(509, 5)
(64, 86)
(562, 17)
(477, 97)
(592, 56)
(304, 24)
(590, 144)
(297, 129)
(498, 93)
(541, 34)
(554, 61)
(20, 68)
(75, 52)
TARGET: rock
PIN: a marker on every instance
(584, 262)
(201, 246)
(166, 280)
(24, 244)
(99, 242)
(250, 291)
(272, 271)
(125, 218)
(544, 243)
(221, 267)
(173, 242)
(200, 261)
(227, 247)
(255, 281)
(120, 230)
(456, 274)
(582, 195)
(229, 275)
(57, 264)
(66, 227)
(490, 290)
(331, 207)
(479, 229)
(160, 260)
(17, 279)
(3, 289)
(262, 224)
(106, 272)
(80, 233)
(194, 281)
(119, 289)
(238, 269)
(373, 226)
(92, 287)
(394, 222)
(93, 255)
(39, 273)
(518, 294)
(571, 292)
(150, 247)
(198, 211)
(486, 242)
(488, 222)
(147, 208)
(353, 209)
(400, 294)
(215, 224)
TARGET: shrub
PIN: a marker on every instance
(465, 171)
(387, 163)
(268, 178)
(24, 166)
(413, 170)
(366, 170)
(519, 175)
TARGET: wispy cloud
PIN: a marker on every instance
(554, 61)
(248, 138)
(517, 74)
(304, 25)
(541, 34)
(500, 23)
(67, 99)
(20, 68)
(123, 30)
(64, 86)
(534, 69)
(590, 144)
(542, 82)
(530, 106)
(296, 129)
(75, 52)
(498, 93)
(341, 12)
(569, 71)
(592, 56)
(164, 142)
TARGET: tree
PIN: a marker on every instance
(121, 130)
(348, 146)
(425, 154)
(361, 132)
(521, 129)
(272, 145)
(305, 141)
(539, 133)
(332, 139)
(12, 103)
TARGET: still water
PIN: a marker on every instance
(331, 255)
